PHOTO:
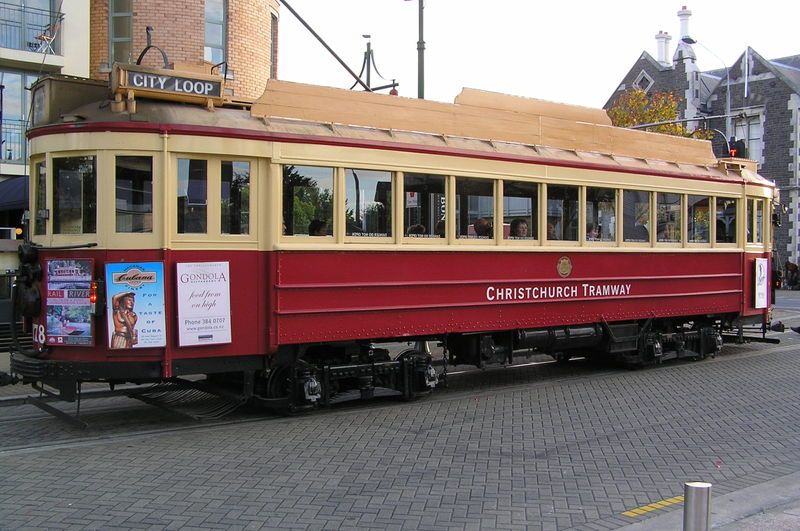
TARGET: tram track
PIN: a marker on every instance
(463, 385)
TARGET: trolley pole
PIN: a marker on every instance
(696, 506)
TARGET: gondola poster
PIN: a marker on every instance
(135, 305)
(69, 318)
(204, 303)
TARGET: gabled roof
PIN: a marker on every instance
(787, 74)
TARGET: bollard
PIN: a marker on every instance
(696, 506)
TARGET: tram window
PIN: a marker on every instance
(601, 214)
(520, 212)
(474, 208)
(308, 200)
(134, 194)
(424, 205)
(636, 216)
(562, 213)
(40, 218)
(726, 220)
(668, 217)
(755, 221)
(192, 196)
(74, 195)
(698, 217)
(368, 204)
(235, 193)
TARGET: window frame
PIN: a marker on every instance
(535, 239)
(464, 240)
(585, 223)
(112, 40)
(449, 214)
(393, 175)
(213, 198)
(223, 23)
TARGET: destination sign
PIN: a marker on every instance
(129, 81)
(183, 85)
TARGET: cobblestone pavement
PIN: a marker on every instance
(519, 452)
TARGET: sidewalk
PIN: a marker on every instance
(773, 506)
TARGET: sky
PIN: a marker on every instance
(568, 51)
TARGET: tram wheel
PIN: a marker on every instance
(281, 385)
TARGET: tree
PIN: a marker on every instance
(635, 107)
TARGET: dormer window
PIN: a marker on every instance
(643, 81)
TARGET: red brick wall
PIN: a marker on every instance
(178, 30)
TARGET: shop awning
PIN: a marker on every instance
(14, 193)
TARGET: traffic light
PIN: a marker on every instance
(737, 149)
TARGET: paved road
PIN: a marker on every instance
(541, 447)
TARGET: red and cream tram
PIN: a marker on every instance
(273, 245)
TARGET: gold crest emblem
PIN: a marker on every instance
(564, 266)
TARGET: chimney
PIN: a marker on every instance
(684, 15)
(662, 39)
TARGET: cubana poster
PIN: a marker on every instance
(69, 317)
(135, 304)
(204, 303)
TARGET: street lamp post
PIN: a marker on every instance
(728, 129)
(420, 54)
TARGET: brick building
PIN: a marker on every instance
(196, 35)
(761, 95)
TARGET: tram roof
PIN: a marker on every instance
(478, 123)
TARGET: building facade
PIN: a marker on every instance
(237, 37)
(755, 99)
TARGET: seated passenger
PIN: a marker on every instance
(519, 228)
(592, 232)
(483, 229)
(416, 230)
(317, 227)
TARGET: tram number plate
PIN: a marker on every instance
(39, 334)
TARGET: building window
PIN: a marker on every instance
(643, 81)
(16, 105)
(216, 24)
(74, 195)
(751, 131)
(120, 14)
(134, 194)
(273, 52)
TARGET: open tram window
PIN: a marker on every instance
(368, 203)
(636, 216)
(698, 218)
(562, 213)
(235, 192)
(668, 217)
(520, 210)
(424, 205)
(134, 194)
(192, 196)
(474, 208)
(307, 201)
(40, 205)
(74, 195)
(725, 225)
(601, 214)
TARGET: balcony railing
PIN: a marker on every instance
(15, 145)
(27, 28)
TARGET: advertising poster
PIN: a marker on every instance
(204, 303)
(135, 305)
(69, 318)
(761, 286)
